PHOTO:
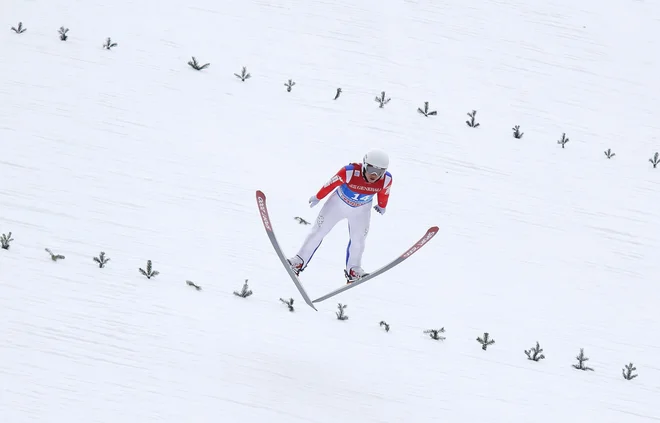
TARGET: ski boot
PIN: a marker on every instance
(296, 264)
(354, 274)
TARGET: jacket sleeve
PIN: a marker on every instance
(336, 180)
(384, 195)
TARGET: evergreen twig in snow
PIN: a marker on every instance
(472, 123)
(435, 333)
(655, 160)
(194, 285)
(535, 353)
(109, 44)
(517, 133)
(425, 111)
(581, 358)
(5, 239)
(289, 85)
(340, 314)
(54, 257)
(485, 341)
(63, 33)
(381, 100)
(244, 74)
(301, 220)
(245, 292)
(19, 29)
(149, 273)
(628, 372)
(288, 303)
(101, 259)
(195, 65)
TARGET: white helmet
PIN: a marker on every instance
(375, 161)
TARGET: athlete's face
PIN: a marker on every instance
(372, 177)
(373, 173)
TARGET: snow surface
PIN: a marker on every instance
(132, 152)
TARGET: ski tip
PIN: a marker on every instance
(260, 193)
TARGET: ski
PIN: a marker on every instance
(265, 218)
(430, 233)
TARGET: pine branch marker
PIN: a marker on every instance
(486, 341)
(149, 273)
(5, 239)
(382, 101)
(655, 160)
(516, 132)
(609, 154)
(109, 44)
(563, 140)
(288, 303)
(54, 257)
(289, 85)
(471, 123)
(19, 29)
(628, 372)
(337, 94)
(195, 65)
(435, 334)
(535, 353)
(581, 360)
(245, 292)
(101, 259)
(301, 220)
(385, 325)
(340, 314)
(194, 285)
(63, 33)
(425, 111)
(244, 74)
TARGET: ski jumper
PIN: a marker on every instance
(352, 199)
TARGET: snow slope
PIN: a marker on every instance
(131, 152)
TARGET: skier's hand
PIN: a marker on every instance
(379, 209)
(313, 201)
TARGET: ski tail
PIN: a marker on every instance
(265, 218)
(430, 233)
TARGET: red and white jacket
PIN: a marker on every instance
(355, 190)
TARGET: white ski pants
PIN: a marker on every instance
(334, 210)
